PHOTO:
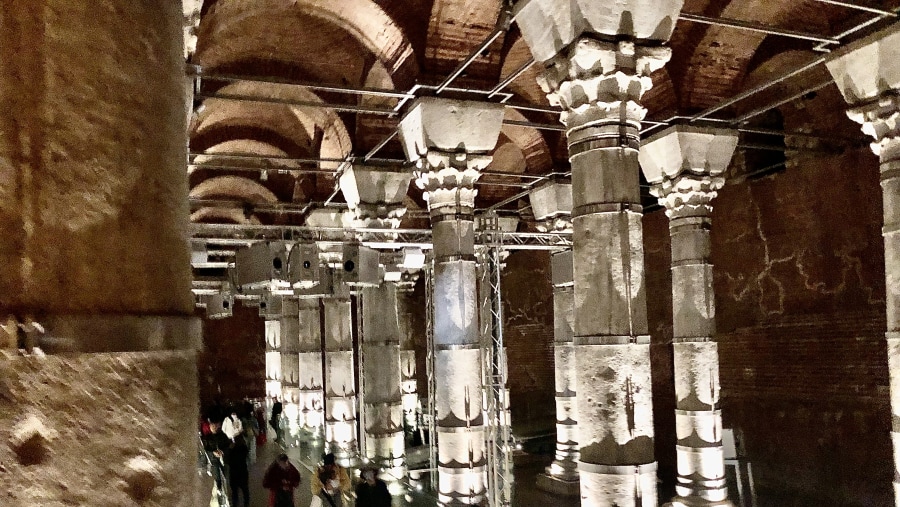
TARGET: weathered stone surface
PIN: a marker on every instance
(82, 430)
(549, 26)
(869, 67)
(452, 126)
(687, 149)
(92, 150)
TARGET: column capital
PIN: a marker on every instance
(867, 73)
(549, 26)
(448, 178)
(685, 166)
(592, 72)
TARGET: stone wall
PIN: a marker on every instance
(232, 365)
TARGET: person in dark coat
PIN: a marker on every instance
(217, 445)
(372, 492)
(238, 473)
(281, 479)
(275, 421)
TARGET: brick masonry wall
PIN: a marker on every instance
(799, 283)
(232, 365)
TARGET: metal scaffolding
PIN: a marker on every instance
(494, 372)
(430, 414)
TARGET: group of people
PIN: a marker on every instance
(230, 436)
(329, 485)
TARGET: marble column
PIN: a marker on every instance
(273, 359)
(385, 445)
(408, 383)
(599, 85)
(450, 140)
(867, 73)
(94, 257)
(562, 475)
(312, 394)
(340, 381)
(685, 166)
(375, 197)
(290, 364)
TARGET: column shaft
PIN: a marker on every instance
(340, 382)
(93, 245)
(890, 185)
(312, 394)
(408, 382)
(290, 363)
(565, 466)
(385, 443)
(273, 359)
(698, 417)
(611, 343)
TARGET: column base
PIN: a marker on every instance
(558, 485)
(697, 502)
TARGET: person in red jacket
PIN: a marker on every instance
(281, 479)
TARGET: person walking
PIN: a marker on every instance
(217, 446)
(281, 479)
(372, 492)
(330, 483)
(238, 472)
(232, 425)
(275, 421)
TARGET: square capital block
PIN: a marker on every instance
(449, 125)
(869, 67)
(374, 185)
(551, 200)
(548, 26)
(682, 149)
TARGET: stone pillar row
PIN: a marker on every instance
(309, 354)
(867, 73)
(290, 363)
(449, 141)
(340, 381)
(686, 165)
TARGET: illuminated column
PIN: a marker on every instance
(340, 383)
(449, 140)
(866, 72)
(685, 165)
(375, 197)
(290, 363)
(599, 85)
(385, 444)
(408, 383)
(94, 246)
(273, 359)
(312, 394)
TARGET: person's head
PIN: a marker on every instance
(369, 475)
(214, 426)
(283, 461)
(328, 459)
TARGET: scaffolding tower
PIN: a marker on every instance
(494, 368)
(430, 415)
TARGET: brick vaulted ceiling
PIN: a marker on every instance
(396, 44)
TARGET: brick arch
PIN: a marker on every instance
(720, 58)
(218, 215)
(320, 128)
(364, 20)
(237, 187)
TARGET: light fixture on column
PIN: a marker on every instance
(262, 266)
(219, 305)
(303, 266)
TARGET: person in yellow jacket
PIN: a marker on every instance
(330, 483)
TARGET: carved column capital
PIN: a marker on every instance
(603, 74)
(688, 194)
(562, 223)
(879, 119)
(448, 178)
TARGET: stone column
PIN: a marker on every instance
(408, 383)
(375, 197)
(94, 257)
(312, 394)
(866, 73)
(686, 165)
(290, 363)
(340, 382)
(273, 359)
(562, 474)
(449, 140)
(599, 85)
(385, 444)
